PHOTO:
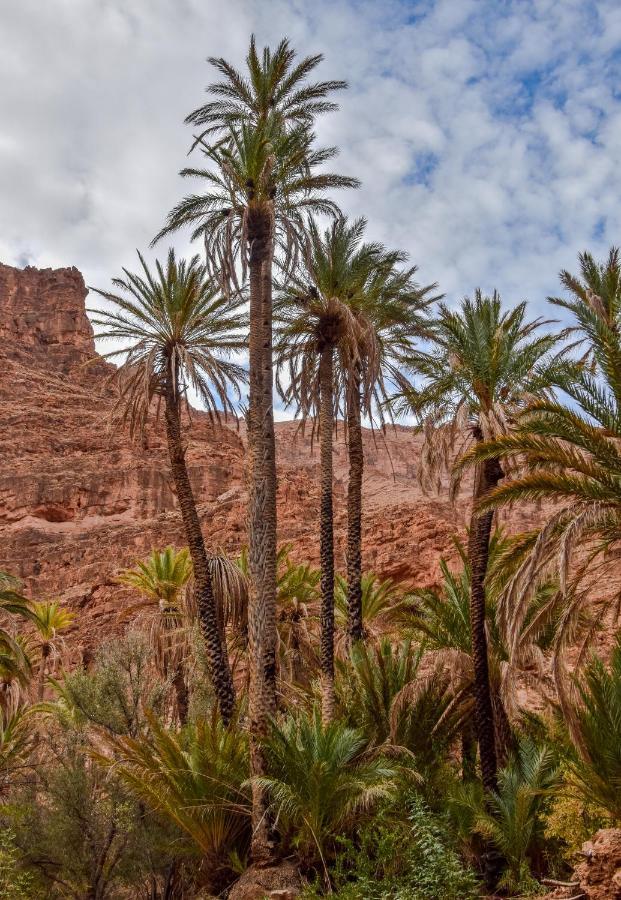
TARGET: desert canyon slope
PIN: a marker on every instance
(78, 500)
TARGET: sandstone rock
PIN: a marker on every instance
(281, 882)
(600, 873)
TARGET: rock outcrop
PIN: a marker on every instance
(78, 501)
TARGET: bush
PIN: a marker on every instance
(401, 858)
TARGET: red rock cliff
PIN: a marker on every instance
(78, 502)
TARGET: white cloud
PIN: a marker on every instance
(487, 135)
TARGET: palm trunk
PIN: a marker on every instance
(354, 513)
(216, 653)
(261, 522)
(45, 652)
(181, 692)
(326, 426)
(487, 476)
(504, 733)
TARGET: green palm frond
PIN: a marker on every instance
(320, 777)
(275, 85)
(173, 320)
(595, 761)
(484, 365)
(196, 778)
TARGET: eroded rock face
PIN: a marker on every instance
(600, 873)
(78, 501)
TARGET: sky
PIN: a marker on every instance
(486, 133)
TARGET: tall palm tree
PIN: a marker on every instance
(261, 179)
(391, 315)
(482, 366)
(315, 325)
(569, 453)
(177, 331)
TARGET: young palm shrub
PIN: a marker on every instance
(197, 778)
(162, 579)
(177, 332)
(384, 606)
(49, 621)
(569, 453)
(412, 715)
(17, 739)
(15, 662)
(512, 818)
(483, 366)
(320, 780)
(595, 763)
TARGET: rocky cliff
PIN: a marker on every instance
(78, 501)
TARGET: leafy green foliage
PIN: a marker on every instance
(513, 817)
(196, 779)
(320, 777)
(16, 882)
(595, 763)
(401, 858)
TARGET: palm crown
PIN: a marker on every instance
(174, 325)
(483, 366)
(257, 171)
(274, 86)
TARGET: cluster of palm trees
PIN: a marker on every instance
(341, 329)
(351, 334)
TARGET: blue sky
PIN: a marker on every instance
(487, 135)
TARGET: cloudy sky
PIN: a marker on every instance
(486, 133)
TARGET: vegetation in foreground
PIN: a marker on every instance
(259, 709)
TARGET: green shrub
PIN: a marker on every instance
(395, 858)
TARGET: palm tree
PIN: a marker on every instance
(176, 331)
(441, 617)
(482, 366)
(316, 324)
(275, 86)
(261, 180)
(160, 580)
(49, 621)
(569, 453)
(391, 315)
(319, 779)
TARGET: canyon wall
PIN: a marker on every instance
(78, 500)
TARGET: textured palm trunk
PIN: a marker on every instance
(355, 628)
(216, 652)
(45, 653)
(487, 476)
(326, 427)
(504, 733)
(261, 522)
(181, 693)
